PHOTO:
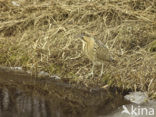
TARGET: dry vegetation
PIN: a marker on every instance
(42, 35)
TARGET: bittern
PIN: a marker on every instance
(96, 52)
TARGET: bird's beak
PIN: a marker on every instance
(81, 37)
(83, 40)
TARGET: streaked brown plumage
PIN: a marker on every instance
(96, 52)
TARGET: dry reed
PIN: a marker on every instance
(42, 35)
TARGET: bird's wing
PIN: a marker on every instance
(102, 53)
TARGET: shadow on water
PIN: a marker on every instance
(24, 96)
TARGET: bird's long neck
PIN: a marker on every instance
(91, 44)
(89, 49)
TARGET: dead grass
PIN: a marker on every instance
(42, 35)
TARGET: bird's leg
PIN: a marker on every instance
(101, 70)
(92, 71)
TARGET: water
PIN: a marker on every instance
(25, 96)
(15, 103)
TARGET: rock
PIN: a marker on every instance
(137, 97)
(43, 74)
(55, 77)
(16, 68)
(14, 3)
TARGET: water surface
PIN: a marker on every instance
(24, 96)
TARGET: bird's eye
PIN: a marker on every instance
(83, 38)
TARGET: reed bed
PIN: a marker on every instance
(41, 35)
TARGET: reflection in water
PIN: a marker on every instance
(17, 104)
(23, 96)
(5, 99)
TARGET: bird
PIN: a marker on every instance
(96, 52)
